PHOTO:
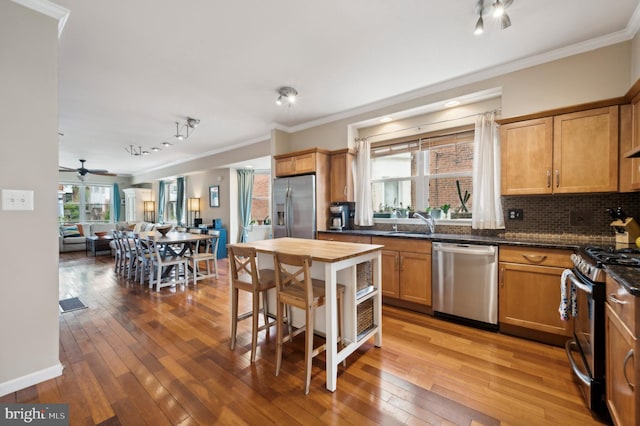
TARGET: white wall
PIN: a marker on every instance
(29, 332)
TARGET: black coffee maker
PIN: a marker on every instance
(341, 215)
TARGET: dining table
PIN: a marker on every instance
(335, 262)
(172, 240)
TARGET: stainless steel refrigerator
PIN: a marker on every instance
(294, 207)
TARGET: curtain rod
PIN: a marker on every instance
(497, 110)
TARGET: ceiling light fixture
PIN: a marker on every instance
(286, 95)
(179, 135)
(498, 9)
(136, 152)
(189, 123)
(451, 104)
(192, 122)
(386, 119)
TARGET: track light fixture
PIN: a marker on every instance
(136, 151)
(182, 133)
(286, 95)
(497, 9)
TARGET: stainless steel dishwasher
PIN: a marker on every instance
(465, 282)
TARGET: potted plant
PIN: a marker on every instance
(445, 209)
(463, 212)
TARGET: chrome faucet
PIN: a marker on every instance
(395, 227)
(431, 224)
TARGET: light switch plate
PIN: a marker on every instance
(17, 199)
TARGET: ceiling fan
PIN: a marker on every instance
(82, 171)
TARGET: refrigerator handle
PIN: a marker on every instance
(287, 212)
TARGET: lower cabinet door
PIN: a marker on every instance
(415, 277)
(390, 265)
(621, 371)
(529, 297)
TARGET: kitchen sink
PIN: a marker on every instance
(421, 234)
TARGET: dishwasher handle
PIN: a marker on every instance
(464, 249)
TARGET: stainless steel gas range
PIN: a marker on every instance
(586, 350)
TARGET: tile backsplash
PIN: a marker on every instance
(550, 217)
(553, 214)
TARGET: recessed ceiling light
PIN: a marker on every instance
(452, 104)
(386, 119)
(167, 144)
(155, 149)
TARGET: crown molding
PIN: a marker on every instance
(47, 8)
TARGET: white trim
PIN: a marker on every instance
(48, 8)
(31, 379)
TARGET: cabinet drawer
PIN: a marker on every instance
(624, 305)
(348, 238)
(403, 244)
(535, 256)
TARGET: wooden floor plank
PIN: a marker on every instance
(138, 356)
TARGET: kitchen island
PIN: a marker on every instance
(334, 262)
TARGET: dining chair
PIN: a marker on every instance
(295, 288)
(119, 257)
(161, 260)
(129, 254)
(207, 255)
(143, 260)
(246, 276)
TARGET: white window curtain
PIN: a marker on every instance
(487, 207)
(364, 209)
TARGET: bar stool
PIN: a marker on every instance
(298, 289)
(246, 276)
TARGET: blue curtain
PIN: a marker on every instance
(161, 201)
(245, 194)
(116, 203)
(180, 202)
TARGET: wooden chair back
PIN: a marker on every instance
(293, 271)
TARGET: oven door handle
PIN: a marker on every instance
(575, 281)
(584, 378)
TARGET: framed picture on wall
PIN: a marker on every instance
(214, 196)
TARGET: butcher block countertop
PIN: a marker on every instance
(320, 250)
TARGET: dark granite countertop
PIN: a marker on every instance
(626, 276)
(465, 238)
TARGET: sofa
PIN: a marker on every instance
(72, 237)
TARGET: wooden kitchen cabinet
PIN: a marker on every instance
(630, 146)
(569, 153)
(301, 162)
(622, 329)
(529, 293)
(342, 175)
(527, 152)
(406, 269)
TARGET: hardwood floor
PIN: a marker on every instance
(141, 357)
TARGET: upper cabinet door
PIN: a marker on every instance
(585, 151)
(526, 156)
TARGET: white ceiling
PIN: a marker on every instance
(129, 69)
